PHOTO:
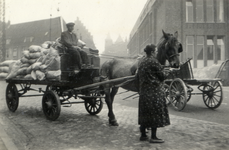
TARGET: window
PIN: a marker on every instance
(200, 51)
(15, 53)
(199, 11)
(210, 50)
(220, 11)
(8, 41)
(210, 10)
(189, 11)
(220, 51)
(190, 47)
(31, 39)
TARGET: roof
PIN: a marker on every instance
(35, 32)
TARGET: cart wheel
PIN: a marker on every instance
(93, 105)
(189, 95)
(12, 98)
(178, 94)
(189, 92)
(51, 105)
(166, 86)
(213, 94)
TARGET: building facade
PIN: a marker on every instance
(21, 36)
(202, 25)
(83, 34)
(112, 49)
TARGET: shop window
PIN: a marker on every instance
(8, 41)
(210, 50)
(220, 51)
(210, 10)
(199, 11)
(190, 47)
(15, 53)
(189, 11)
(200, 51)
(220, 10)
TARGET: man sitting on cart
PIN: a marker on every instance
(70, 40)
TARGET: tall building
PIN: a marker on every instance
(20, 36)
(117, 48)
(83, 34)
(202, 25)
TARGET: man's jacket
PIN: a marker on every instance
(69, 39)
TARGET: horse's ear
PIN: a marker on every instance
(165, 34)
(176, 34)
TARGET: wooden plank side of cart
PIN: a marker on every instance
(197, 81)
(112, 82)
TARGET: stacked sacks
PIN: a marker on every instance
(5, 68)
(14, 68)
(46, 67)
(31, 55)
(37, 63)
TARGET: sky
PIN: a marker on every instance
(101, 17)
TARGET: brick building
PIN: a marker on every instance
(83, 34)
(202, 25)
(20, 36)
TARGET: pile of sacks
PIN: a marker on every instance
(206, 72)
(5, 68)
(38, 63)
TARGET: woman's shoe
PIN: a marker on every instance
(144, 138)
(156, 141)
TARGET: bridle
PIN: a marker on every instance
(173, 55)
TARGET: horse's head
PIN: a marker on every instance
(169, 49)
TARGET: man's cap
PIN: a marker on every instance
(70, 24)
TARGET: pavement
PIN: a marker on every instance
(28, 129)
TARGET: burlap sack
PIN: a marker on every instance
(40, 75)
(22, 71)
(29, 70)
(24, 60)
(31, 61)
(14, 69)
(4, 69)
(26, 54)
(3, 75)
(34, 48)
(34, 55)
(25, 65)
(33, 75)
(53, 74)
(7, 62)
(36, 66)
(28, 76)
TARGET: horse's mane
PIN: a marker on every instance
(161, 50)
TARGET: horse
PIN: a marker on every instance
(168, 49)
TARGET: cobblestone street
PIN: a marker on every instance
(76, 129)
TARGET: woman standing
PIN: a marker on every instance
(153, 112)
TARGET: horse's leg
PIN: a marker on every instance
(112, 120)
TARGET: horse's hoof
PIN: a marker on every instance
(113, 122)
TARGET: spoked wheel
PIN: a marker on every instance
(51, 105)
(94, 104)
(178, 94)
(166, 87)
(189, 92)
(213, 94)
(12, 97)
